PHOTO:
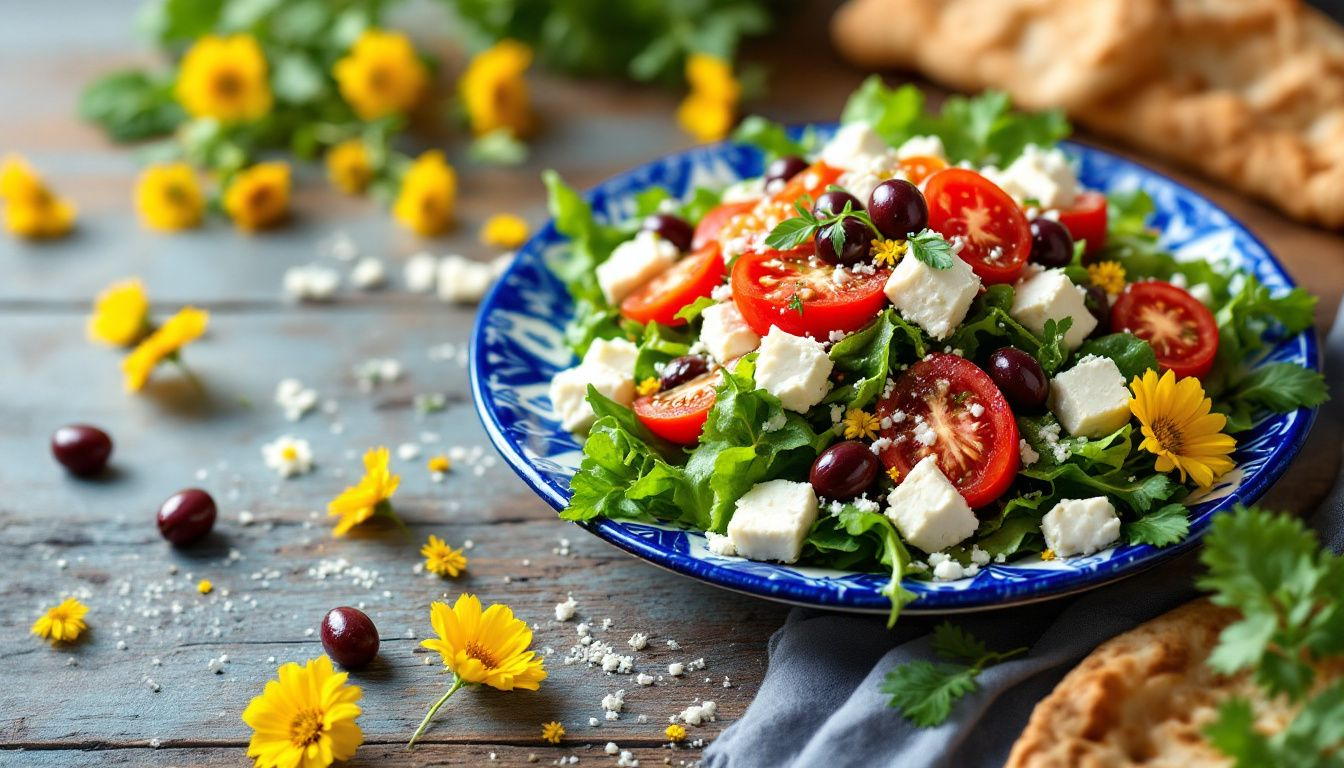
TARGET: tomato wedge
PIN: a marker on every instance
(947, 407)
(995, 235)
(810, 181)
(714, 221)
(920, 167)
(1179, 327)
(1086, 220)
(799, 293)
(660, 299)
(679, 414)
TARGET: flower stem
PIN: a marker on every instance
(457, 683)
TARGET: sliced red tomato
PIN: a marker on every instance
(811, 181)
(799, 293)
(679, 414)
(732, 220)
(995, 235)
(946, 407)
(1086, 220)
(660, 299)
(716, 219)
(1180, 329)
(921, 167)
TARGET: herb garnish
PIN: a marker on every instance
(927, 246)
(925, 691)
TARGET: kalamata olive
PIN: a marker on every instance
(673, 229)
(680, 370)
(187, 516)
(1099, 305)
(1051, 244)
(349, 636)
(898, 209)
(1020, 378)
(83, 449)
(833, 202)
(784, 168)
(858, 241)
(844, 470)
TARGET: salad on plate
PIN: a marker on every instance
(918, 347)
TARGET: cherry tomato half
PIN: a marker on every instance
(1086, 220)
(1179, 327)
(660, 299)
(920, 167)
(679, 414)
(798, 292)
(947, 407)
(713, 222)
(996, 236)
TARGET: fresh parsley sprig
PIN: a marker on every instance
(931, 248)
(925, 691)
(928, 246)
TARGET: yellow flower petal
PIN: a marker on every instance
(225, 78)
(382, 75)
(361, 501)
(258, 197)
(120, 313)
(428, 196)
(1179, 429)
(168, 197)
(305, 718)
(494, 91)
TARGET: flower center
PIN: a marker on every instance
(259, 198)
(227, 84)
(305, 728)
(381, 79)
(487, 659)
(289, 453)
(1168, 435)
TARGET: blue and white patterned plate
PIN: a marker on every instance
(517, 347)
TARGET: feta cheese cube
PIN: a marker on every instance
(1090, 399)
(725, 333)
(1043, 175)
(935, 299)
(609, 367)
(921, 146)
(928, 510)
(1051, 295)
(852, 145)
(772, 519)
(1081, 526)
(634, 263)
(793, 369)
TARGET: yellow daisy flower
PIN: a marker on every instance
(443, 559)
(382, 75)
(494, 92)
(349, 167)
(504, 230)
(169, 198)
(708, 111)
(120, 314)
(428, 195)
(32, 210)
(370, 496)
(894, 474)
(861, 424)
(205, 587)
(1109, 276)
(165, 343)
(481, 648)
(305, 718)
(1179, 428)
(712, 77)
(19, 182)
(258, 197)
(675, 733)
(439, 464)
(225, 78)
(552, 732)
(887, 252)
(62, 623)
(647, 386)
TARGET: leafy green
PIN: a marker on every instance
(853, 537)
(1277, 387)
(1053, 352)
(498, 147)
(131, 105)
(988, 321)
(930, 247)
(768, 136)
(1131, 354)
(691, 311)
(659, 345)
(1246, 323)
(864, 357)
(925, 691)
(1165, 525)
(656, 199)
(1139, 492)
(793, 232)
(895, 114)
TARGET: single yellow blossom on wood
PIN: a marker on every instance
(372, 495)
(861, 424)
(348, 166)
(887, 252)
(1109, 276)
(305, 718)
(62, 623)
(382, 75)
(494, 91)
(552, 732)
(504, 230)
(164, 343)
(675, 733)
(168, 197)
(428, 195)
(120, 314)
(647, 387)
(712, 77)
(258, 197)
(708, 111)
(1179, 427)
(705, 118)
(442, 559)
(32, 210)
(205, 587)
(225, 78)
(439, 464)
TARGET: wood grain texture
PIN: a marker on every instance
(97, 538)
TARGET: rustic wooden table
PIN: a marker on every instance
(94, 702)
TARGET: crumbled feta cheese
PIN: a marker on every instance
(928, 510)
(676, 669)
(294, 398)
(421, 273)
(368, 272)
(934, 299)
(794, 369)
(638, 641)
(772, 519)
(921, 146)
(462, 280)
(614, 702)
(1090, 399)
(979, 556)
(565, 611)
(311, 282)
(1051, 295)
(725, 333)
(1081, 526)
(1029, 454)
(719, 544)
(696, 714)
(634, 263)
(288, 456)
(946, 569)
(744, 191)
(609, 367)
(644, 679)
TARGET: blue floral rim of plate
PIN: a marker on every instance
(517, 346)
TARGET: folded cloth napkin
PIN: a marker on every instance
(819, 704)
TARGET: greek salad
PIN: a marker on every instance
(917, 348)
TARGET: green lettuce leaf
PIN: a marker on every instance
(1131, 354)
(864, 357)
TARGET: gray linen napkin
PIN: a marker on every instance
(819, 704)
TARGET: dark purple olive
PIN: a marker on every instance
(1051, 244)
(833, 202)
(858, 242)
(784, 168)
(83, 449)
(680, 370)
(844, 470)
(1020, 378)
(187, 516)
(349, 636)
(898, 209)
(673, 229)
(1099, 305)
